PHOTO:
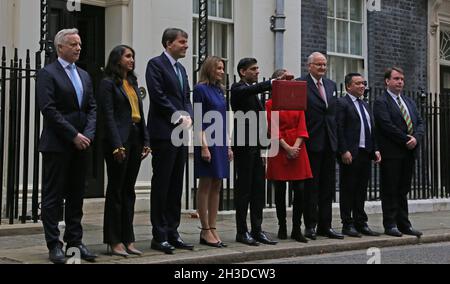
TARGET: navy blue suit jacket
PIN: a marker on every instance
(245, 98)
(58, 102)
(391, 127)
(320, 120)
(349, 126)
(116, 110)
(166, 97)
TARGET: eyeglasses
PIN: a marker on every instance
(319, 65)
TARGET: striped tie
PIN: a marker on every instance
(406, 116)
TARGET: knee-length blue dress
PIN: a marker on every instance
(211, 98)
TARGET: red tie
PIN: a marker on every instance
(322, 95)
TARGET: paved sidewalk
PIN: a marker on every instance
(27, 245)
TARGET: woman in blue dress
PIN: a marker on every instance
(212, 154)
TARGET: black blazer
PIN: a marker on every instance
(58, 102)
(320, 120)
(244, 98)
(166, 97)
(391, 127)
(116, 110)
(349, 126)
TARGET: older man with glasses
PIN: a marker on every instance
(321, 146)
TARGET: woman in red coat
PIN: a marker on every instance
(291, 164)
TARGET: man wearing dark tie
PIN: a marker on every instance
(65, 98)
(247, 153)
(357, 147)
(170, 106)
(400, 128)
(322, 147)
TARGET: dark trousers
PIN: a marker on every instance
(64, 177)
(250, 188)
(353, 189)
(167, 188)
(320, 189)
(120, 194)
(297, 206)
(396, 177)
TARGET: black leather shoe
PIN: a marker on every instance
(263, 238)
(162, 246)
(351, 231)
(282, 232)
(393, 232)
(298, 236)
(245, 238)
(410, 231)
(310, 233)
(56, 255)
(365, 230)
(180, 244)
(85, 254)
(330, 233)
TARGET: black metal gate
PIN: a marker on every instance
(19, 134)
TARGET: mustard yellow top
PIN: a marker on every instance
(134, 102)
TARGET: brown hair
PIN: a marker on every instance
(208, 71)
(278, 73)
(388, 72)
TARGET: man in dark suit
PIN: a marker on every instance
(64, 95)
(321, 146)
(400, 128)
(170, 106)
(357, 147)
(250, 169)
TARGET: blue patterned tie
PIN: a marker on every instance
(368, 141)
(76, 82)
(180, 77)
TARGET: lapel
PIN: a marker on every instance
(394, 106)
(352, 106)
(84, 83)
(172, 73)
(122, 91)
(315, 90)
(68, 82)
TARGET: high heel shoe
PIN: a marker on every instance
(133, 251)
(204, 242)
(110, 251)
(222, 244)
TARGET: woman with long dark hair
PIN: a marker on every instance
(126, 144)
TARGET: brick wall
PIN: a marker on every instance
(398, 36)
(314, 29)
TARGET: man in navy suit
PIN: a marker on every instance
(400, 128)
(321, 146)
(247, 153)
(170, 106)
(357, 147)
(64, 95)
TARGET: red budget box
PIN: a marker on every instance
(289, 95)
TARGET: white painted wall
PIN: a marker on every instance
(26, 29)
(6, 26)
(292, 40)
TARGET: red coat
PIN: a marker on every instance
(292, 125)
